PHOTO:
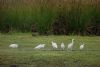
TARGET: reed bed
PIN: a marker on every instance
(81, 17)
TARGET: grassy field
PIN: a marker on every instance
(26, 56)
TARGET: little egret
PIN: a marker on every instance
(40, 46)
(70, 45)
(13, 46)
(82, 46)
(62, 45)
(54, 45)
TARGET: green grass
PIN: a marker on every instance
(26, 56)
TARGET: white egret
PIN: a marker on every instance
(40, 46)
(82, 46)
(62, 45)
(54, 45)
(70, 45)
(13, 46)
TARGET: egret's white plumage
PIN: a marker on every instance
(43, 45)
(54, 45)
(13, 46)
(82, 46)
(70, 45)
(40, 46)
(62, 45)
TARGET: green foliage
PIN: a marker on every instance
(80, 16)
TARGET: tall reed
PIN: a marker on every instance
(79, 16)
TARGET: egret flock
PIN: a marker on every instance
(54, 45)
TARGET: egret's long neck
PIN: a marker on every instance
(72, 41)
